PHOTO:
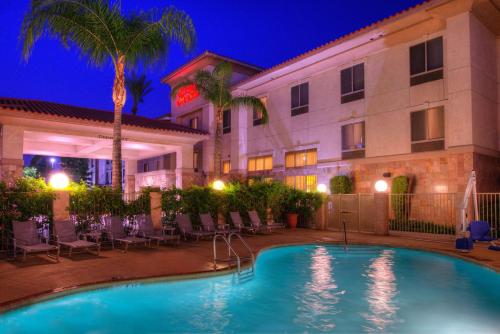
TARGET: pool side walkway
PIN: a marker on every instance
(37, 276)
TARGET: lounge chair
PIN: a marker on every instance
(66, 236)
(257, 223)
(480, 231)
(238, 223)
(186, 228)
(208, 225)
(116, 233)
(147, 230)
(26, 239)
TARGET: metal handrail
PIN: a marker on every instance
(230, 249)
(245, 245)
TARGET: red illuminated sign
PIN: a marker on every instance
(186, 94)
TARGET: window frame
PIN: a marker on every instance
(300, 108)
(297, 153)
(226, 128)
(260, 159)
(194, 120)
(306, 178)
(427, 74)
(353, 94)
(428, 144)
(256, 119)
(356, 152)
(224, 163)
(196, 157)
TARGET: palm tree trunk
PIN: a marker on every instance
(119, 97)
(218, 144)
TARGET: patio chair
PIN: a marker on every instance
(27, 240)
(257, 223)
(186, 228)
(238, 223)
(116, 233)
(66, 236)
(148, 231)
(480, 231)
(208, 225)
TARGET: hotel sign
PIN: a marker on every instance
(186, 94)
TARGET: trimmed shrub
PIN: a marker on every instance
(341, 184)
(400, 202)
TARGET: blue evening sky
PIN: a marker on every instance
(261, 32)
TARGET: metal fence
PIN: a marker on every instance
(431, 214)
(489, 210)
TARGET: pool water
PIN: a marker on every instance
(306, 289)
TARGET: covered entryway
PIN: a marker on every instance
(46, 128)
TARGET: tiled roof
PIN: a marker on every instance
(337, 41)
(64, 110)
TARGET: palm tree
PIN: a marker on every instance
(138, 87)
(104, 35)
(215, 87)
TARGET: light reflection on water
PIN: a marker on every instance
(321, 294)
(381, 291)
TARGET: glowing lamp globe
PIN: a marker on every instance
(218, 185)
(321, 188)
(59, 181)
(381, 186)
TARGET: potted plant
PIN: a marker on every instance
(292, 207)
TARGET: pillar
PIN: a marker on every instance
(239, 140)
(381, 214)
(60, 206)
(155, 203)
(130, 171)
(11, 153)
(184, 171)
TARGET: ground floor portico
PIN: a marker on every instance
(44, 128)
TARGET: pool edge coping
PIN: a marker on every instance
(63, 291)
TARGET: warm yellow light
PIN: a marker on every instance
(381, 186)
(218, 185)
(321, 188)
(59, 181)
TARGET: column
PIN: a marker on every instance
(184, 172)
(11, 153)
(381, 214)
(130, 171)
(239, 140)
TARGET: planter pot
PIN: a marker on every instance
(292, 220)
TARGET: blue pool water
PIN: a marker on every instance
(306, 289)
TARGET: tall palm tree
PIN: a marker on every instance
(215, 87)
(104, 35)
(138, 87)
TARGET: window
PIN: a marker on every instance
(195, 161)
(353, 140)
(301, 158)
(226, 121)
(352, 83)
(302, 182)
(300, 99)
(258, 164)
(193, 123)
(257, 115)
(426, 61)
(158, 164)
(226, 167)
(427, 130)
(145, 167)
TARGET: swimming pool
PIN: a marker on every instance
(309, 288)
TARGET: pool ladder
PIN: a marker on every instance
(233, 256)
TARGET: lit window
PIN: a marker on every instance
(352, 83)
(300, 99)
(257, 164)
(226, 167)
(193, 123)
(427, 129)
(426, 61)
(226, 121)
(302, 182)
(301, 158)
(258, 116)
(195, 161)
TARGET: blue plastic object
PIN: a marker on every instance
(464, 243)
(480, 231)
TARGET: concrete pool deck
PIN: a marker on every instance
(21, 281)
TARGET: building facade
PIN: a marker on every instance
(415, 94)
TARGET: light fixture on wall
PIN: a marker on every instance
(381, 186)
(322, 188)
(218, 185)
(59, 181)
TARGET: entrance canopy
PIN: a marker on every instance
(46, 128)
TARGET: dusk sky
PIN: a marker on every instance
(260, 32)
